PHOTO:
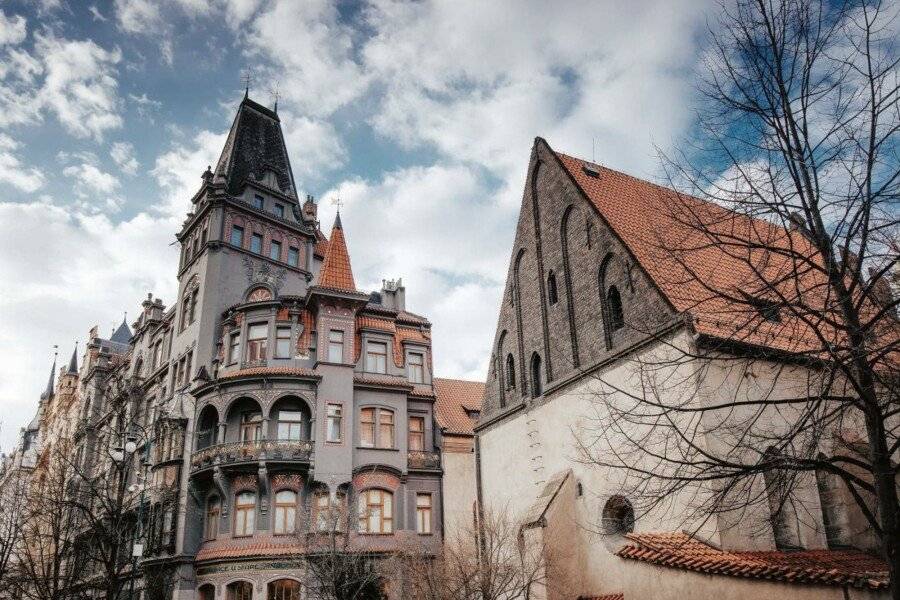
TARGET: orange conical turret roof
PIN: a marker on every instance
(336, 272)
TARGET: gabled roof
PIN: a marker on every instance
(254, 145)
(663, 230)
(336, 272)
(456, 400)
(823, 567)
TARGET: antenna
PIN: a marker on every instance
(247, 79)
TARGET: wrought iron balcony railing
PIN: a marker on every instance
(240, 452)
(421, 460)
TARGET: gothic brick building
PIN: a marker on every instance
(271, 392)
(588, 302)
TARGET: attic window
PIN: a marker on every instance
(767, 309)
(591, 170)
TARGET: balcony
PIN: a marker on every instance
(236, 453)
(418, 460)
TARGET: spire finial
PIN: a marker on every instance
(246, 79)
(275, 94)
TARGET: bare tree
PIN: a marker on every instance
(13, 494)
(782, 245)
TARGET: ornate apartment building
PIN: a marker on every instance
(588, 303)
(272, 390)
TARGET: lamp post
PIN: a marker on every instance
(137, 548)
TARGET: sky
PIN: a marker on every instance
(419, 116)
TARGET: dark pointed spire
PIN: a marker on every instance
(337, 221)
(122, 335)
(73, 362)
(50, 382)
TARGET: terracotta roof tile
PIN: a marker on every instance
(653, 221)
(822, 567)
(336, 272)
(454, 398)
(382, 380)
(237, 549)
(270, 371)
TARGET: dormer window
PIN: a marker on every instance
(416, 366)
(376, 357)
(279, 210)
(258, 202)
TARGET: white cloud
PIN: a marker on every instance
(122, 154)
(91, 177)
(138, 16)
(178, 171)
(314, 145)
(13, 172)
(12, 29)
(96, 14)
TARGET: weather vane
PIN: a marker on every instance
(338, 203)
(247, 79)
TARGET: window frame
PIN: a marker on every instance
(234, 347)
(248, 424)
(424, 513)
(416, 434)
(290, 423)
(412, 367)
(293, 257)
(331, 418)
(385, 517)
(213, 513)
(380, 358)
(256, 240)
(239, 230)
(287, 511)
(279, 210)
(258, 202)
(244, 510)
(273, 244)
(336, 345)
(280, 329)
(259, 344)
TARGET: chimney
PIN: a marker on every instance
(310, 210)
(393, 294)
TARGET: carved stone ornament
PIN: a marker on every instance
(264, 273)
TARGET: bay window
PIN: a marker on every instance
(376, 512)
(256, 341)
(282, 342)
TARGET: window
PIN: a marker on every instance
(275, 250)
(256, 341)
(510, 372)
(279, 210)
(293, 256)
(187, 367)
(192, 309)
(376, 513)
(290, 425)
(204, 235)
(185, 306)
(256, 243)
(416, 366)
(537, 387)
(333, 423)
(251, 426)
(258, 202)
(423, 514)
(385, 429)
(552, 295)
(196, 246)
(234, 347)
(416, 433)
(284, 589)
(323, 504)
(244, 513)
(367, 427)
(285, 511)
(211, 529)
(376, 357)
(205, 592)
(240, 590)
(237, 236)
(336, 346)
(614, 306)
(282, 342)
(157, 355)
(618, 516)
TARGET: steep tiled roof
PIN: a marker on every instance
(336, 272)
(454, 398)
(254, 145)
(663, 230)
(823, 567)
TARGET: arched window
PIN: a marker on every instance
(285, 511)
(376, 512)
(283, 589)
(537, 387)
(206, 592)
(211, 526)
(244, 513)
(510, 372)
(614, 306)
(618, 516)
(552, 294)
(240, 590)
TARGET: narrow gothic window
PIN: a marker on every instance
(552, 295)
(536, 383)
(614, 306)
(510, 372)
